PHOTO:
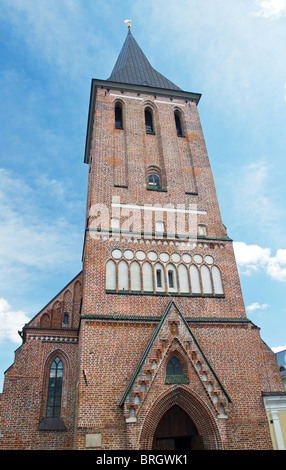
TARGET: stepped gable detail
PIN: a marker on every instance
(173, 337)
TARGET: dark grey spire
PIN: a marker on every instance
(133, 67)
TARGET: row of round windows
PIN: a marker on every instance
(164, 257)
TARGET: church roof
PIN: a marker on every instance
(133, 67)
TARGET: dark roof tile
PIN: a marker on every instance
(133, 67)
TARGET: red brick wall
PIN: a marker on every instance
(233, 349)
(24, 395)
(102, 351)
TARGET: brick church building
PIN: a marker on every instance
(149, 347)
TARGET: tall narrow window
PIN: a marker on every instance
(206, 280)
(149, 122)
(178, 125)
(218, 288)
(171, 278)
(183, 279)
(110, 276)
(54, 398)
(195, 280)
(159, 277)
(135, 276)
(123, 282)
(118, 117)
(147, 277)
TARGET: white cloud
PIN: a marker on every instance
(277, 349)
(33, 236)
(254, 197)
(11, 322)
(62, 33)
(271, 9)
(252, 258)
(256, 204)
(256, 306)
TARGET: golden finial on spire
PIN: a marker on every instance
(129, 23)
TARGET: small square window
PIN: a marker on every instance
(115, 222)
(154, 181)
(202, 230)
(160, 227)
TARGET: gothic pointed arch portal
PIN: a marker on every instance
(176, 431)
(198, 430)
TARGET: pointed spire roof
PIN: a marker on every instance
(133, 67)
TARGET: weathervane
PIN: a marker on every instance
(129, 23)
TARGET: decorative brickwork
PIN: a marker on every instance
(159, 282)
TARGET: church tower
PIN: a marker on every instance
(149, 347)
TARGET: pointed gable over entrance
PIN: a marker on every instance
(133, 67)
(173, 339)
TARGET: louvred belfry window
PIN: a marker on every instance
(118, 117)
(149, 122)
(178, 125)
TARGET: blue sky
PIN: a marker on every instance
(233, 52)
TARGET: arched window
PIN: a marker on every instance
(171, 278)
(178, 125)
(183, 279)
(135, 277)
(147, 277)
(174, 372)
(195, 280)
(110, 276)
(45, 320)
(206, 280)
(118, 116)
(159, 278)
(218, 288)
(154, 181)
(174, 367)
(54, 398)
(123, 283)
(149, 122)
(154, 177)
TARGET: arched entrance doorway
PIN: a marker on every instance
(176, 431)
(187, 405)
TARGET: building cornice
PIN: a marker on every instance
(152, 319)
(148, 90)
